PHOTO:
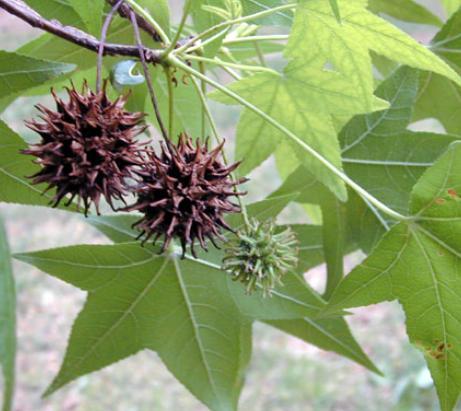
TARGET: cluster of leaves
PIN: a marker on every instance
(336, 120)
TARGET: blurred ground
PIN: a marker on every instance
(285, 374)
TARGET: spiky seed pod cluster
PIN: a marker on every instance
(261, 255)
(88, 147)
(185, 193)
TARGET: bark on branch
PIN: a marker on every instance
(73, 34)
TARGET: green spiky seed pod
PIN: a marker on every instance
(261, 255)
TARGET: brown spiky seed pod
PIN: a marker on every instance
(88, 147)
(185, 193)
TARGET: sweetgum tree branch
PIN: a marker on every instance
(74, 35)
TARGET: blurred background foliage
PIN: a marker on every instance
(285, 374)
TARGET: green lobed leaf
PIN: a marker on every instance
(293, 299)
(382, 156)
(302, 99)
(419, 264)
(7, 321)
(131, 292)
(19, 73)
(346, 46)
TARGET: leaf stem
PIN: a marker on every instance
(228, 23)
(219, 140)
(251, 39)
(351, 183)
(167, 71)
(147, 76)
(202, 45)
(223, 63)
(260, 54)
(104, 30)
(185, 14)
(202, 69)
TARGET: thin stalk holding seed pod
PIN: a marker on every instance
(145, 68)
(219, 140)
(104, 31)
(168, 74)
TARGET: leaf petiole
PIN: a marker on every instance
(252, 39)
(219, 140)
(222, 63)
(220, 26)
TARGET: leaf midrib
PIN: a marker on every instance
(195, 327)
(128, 312)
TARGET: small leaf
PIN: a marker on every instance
(124, 74)
(7, 321)
(19, 73)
